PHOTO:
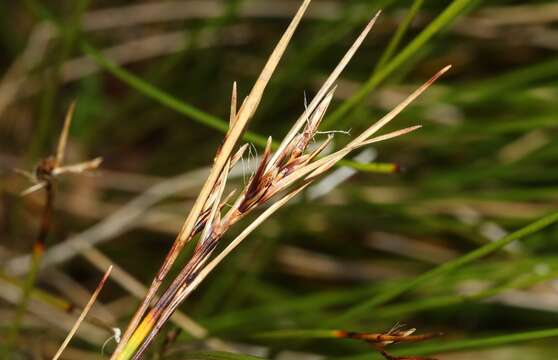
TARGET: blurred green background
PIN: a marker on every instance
(152, 82)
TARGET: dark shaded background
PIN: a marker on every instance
(483, 165)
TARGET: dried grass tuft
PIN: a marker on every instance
(280, 175)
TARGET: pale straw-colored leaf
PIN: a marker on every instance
(324, 89)
(234, 100)
(320, 148)
(61, 149)
(390, 135)
(216, 205)
(326, 161)
(78, 168)
(33, 188)
(318, 115)
(26, 174)
(399, 108)
(345, 151)
(83, 314)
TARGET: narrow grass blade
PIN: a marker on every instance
(83, 314)
(469, 344)
(455, 9)
(399, 34)
(61, 149)
(325, 88)
(446, 268)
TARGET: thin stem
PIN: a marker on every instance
(83, 314)
(37, 255)
(399, 33)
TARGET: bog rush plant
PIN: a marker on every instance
(281, 174)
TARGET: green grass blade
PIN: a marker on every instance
(399, 34)
(178, 105)
(400, 310)
(455, 9)
(446, 268)
(162, 97)
(296, 334)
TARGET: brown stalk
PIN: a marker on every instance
(197, 278)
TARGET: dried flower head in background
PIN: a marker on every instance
(52, 166)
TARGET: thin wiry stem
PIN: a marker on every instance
(37, 255)
(83, 314)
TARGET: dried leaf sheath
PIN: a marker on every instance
(282, 174)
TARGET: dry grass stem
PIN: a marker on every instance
(244, 114)
(83, 314)
(282, 173)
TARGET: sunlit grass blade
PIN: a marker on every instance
(83, 314)
(61, 149)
